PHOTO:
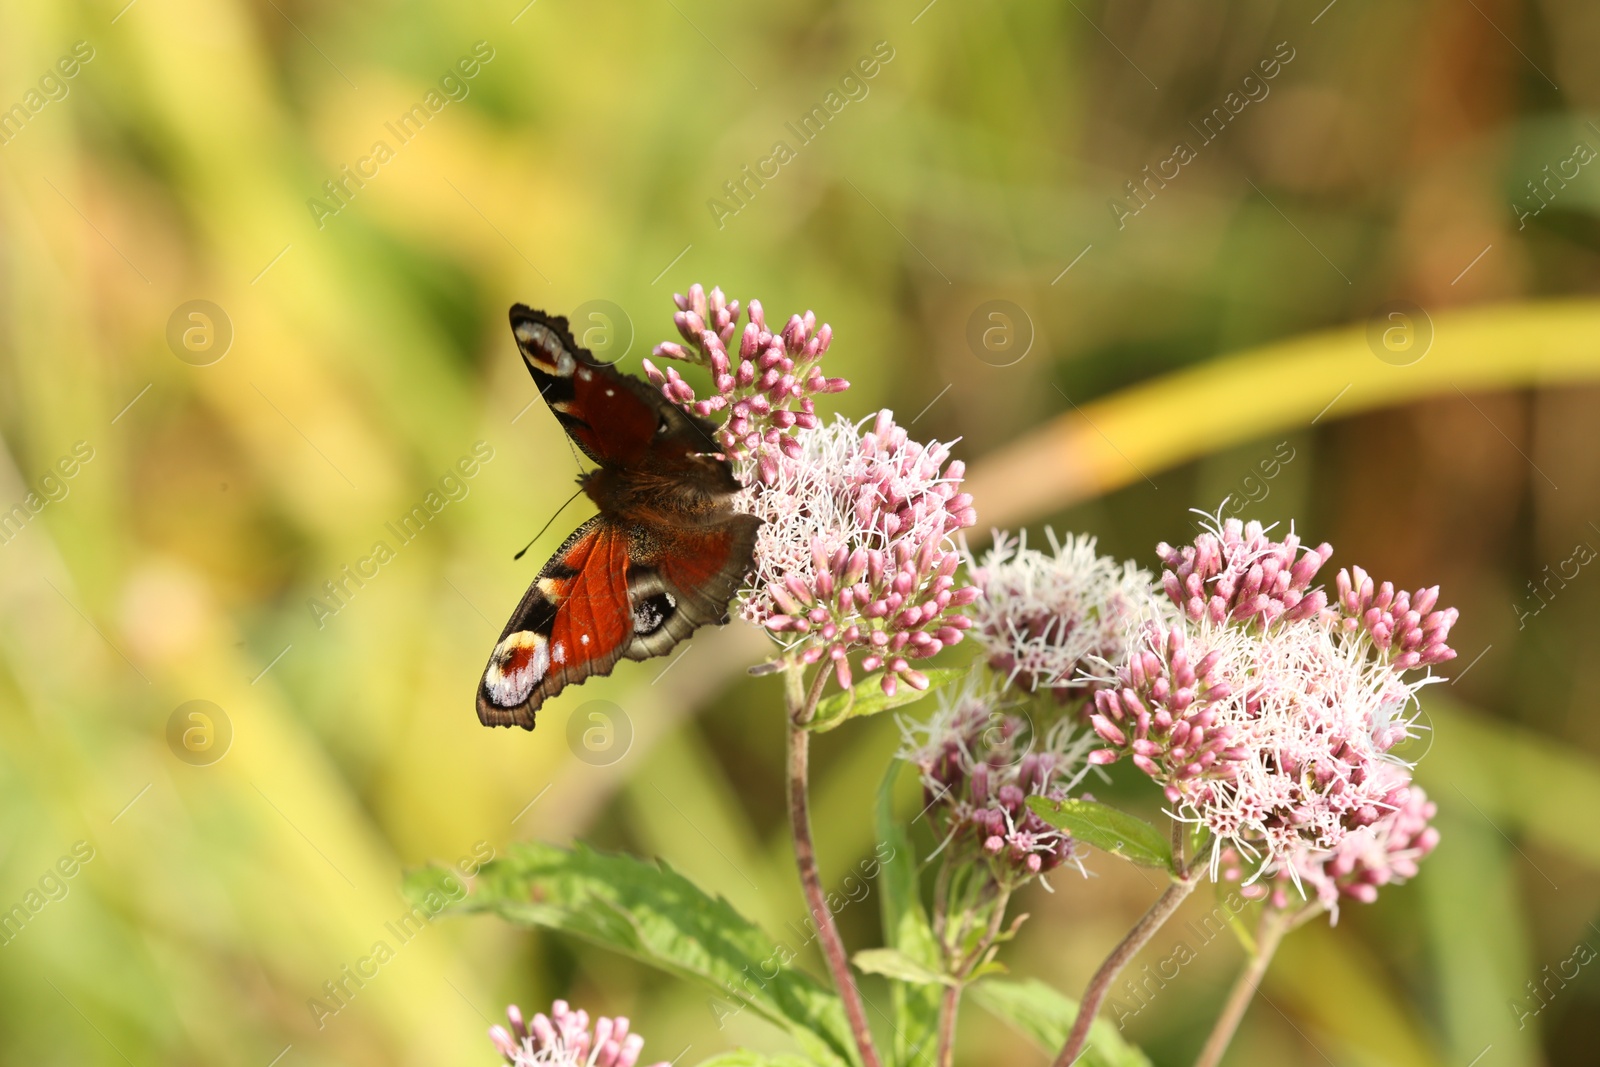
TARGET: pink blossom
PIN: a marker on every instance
(766, 386)
(564, 1039)
(1266, 714)
(1405, 627)
(854, 552)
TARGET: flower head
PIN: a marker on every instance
(979, 763)
(1267, 715)
(766, 386)
(1042, 616)
(1368, 858)
(564, 1039)
(854, 553)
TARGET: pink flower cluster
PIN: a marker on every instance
(979, 765)
(1373, 856)
(766, 387)
(564, 1039)
(1266, 714)
(854, 553)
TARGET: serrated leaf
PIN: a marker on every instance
(1107, 829)
(867, 697)
(892, 963)
(906, 929)
(1044, 1015)
(655, 915)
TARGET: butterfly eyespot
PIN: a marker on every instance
(519, 663)
(548, 350)
(661, 427)
(650, 613)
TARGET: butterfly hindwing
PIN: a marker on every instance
(611, 592)
(683, 579)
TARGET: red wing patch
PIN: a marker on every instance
(604, 399)
(574, 621)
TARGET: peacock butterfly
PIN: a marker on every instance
(661, 559)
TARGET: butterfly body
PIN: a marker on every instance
(664, 555)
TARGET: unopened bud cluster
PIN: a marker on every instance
(765, 386)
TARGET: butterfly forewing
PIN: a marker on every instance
(575, 620)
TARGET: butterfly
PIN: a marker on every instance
(662, 558)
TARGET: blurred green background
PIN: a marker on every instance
(1424, 153)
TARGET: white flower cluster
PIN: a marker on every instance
(1046, 617)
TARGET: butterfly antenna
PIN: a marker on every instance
(546, 526)
(577, 457)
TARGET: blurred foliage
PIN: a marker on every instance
(1389, 160)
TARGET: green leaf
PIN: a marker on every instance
(984, 970)
(1107, 829)
(1044, 1015)
(892, 963)
(867, 697)
(906, 929)
(656, 916)
(746, 1058)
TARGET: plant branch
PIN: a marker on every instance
(1100, 984)
(941, 904)
(997, 915)
(800, 706)
(947, 1026)
(951, 1002)
(1274, 924)
(808, 710)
